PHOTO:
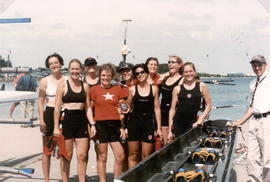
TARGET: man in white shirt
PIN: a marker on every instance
(259, 126)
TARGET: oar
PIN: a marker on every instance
(220, 83)
(22, 171)
(221, 107)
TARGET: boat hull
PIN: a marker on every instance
(163, 165)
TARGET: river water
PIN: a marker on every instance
(222, 95)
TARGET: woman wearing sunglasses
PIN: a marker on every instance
(144, 117)
(188, 97)
(166, 88)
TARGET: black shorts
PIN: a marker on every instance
(75, 124)
(165, 115)
(141, 128)
(108, 131)
(183, 122)
(49, 120)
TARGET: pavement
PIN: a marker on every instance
(21, 147)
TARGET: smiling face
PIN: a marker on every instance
(75, 70)
(152, 66)
(259, 68)
(105, 77)
(127, 74)
(189, 72)
(54, 65)
(91, 69)
(174, 65)
(141, 74)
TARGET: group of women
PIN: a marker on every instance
(96, 107)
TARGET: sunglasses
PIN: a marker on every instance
(139, 73)
(171, 61)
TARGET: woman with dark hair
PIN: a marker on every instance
(72, 95)
(144, 116)
(105, 99)
(152, 65)
(166, 88)
(90, 67)
(188, 97)
(46, 99)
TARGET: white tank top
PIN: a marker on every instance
(50, 92)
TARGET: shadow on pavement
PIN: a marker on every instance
(92, 178)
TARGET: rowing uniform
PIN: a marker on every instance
(141, 124)
(189, 102)
(259, 129)
(75, 121)
(166, 92)
(106, 114)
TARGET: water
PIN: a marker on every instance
(221, 95)
(225, 95)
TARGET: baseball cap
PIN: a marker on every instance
(123, 66)
(258, 58)
(90, 61)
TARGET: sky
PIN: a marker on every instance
(219, 36)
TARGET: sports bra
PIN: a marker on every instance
(74, 97)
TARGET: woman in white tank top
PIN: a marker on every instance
(46, 100)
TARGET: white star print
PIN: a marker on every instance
(108, 96)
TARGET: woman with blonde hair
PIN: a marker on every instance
(72, 95)
(188, 96)
(105, 99)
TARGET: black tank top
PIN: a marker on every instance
(89, 85)
(166, 91)
(73, 97)
(189, 101)
(143, 104)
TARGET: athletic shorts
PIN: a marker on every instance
(49, 120)
(183, 122)
(75, 124)
(107, 131)
(165, 116)
(141, 128)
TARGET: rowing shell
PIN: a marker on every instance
(17, 96)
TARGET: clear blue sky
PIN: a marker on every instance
(219, 36)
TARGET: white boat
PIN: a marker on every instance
(16, 96)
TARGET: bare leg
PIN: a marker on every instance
(102, 150)
(147, 149)
(12, 108)
(119, 156)
(165, 132)
(134, 151)
(66, 163)
(46, 161)
(82, 146)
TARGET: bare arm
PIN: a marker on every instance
(157, 110)
(173, 106)
(175, 93)
(41, 104)
(89, 113)
(87, 105)
(58, 103)
(208, 102)
(246, 116)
